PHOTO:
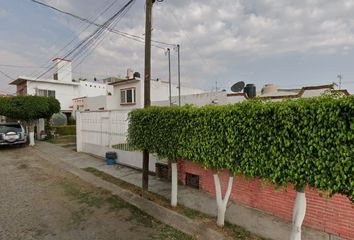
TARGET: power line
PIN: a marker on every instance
(18, 66)
(124, 34)
(83, 30)
(6, 75)
(88, 51)
(89, 40)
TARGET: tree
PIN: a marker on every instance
(28, 109)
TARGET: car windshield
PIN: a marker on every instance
(10, 128)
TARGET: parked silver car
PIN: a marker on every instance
(12, 134)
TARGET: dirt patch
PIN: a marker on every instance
(43, 202)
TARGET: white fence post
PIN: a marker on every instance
(109, 129)
(78, 132)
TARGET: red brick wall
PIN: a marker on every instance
(21, 89)
(334, 215)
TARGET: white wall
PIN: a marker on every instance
(101, 103)
(66, 92)
(160, 90)
(139, 94)
(63, 92)
(92, 89)
(63, 69)
(202, 99)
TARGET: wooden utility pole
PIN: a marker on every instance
(147, 77)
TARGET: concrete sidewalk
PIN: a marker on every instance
(255, 221)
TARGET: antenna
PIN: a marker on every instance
(238, 87)
(340, 77)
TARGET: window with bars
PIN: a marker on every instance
(45, 93)
(128, 96)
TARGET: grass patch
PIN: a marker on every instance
(123, 146)
(230, 230)
(62, 139)
(104, 199)
(82, 196)
(240, 233)
(169, 233)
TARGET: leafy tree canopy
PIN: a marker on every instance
(28, 108)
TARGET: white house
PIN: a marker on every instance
(62, 86)
(128, 93)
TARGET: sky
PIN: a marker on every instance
(288, 43)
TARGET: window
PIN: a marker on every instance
(128, 96)
(45, 93)
(51, 93)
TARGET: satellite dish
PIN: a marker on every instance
(238, 87)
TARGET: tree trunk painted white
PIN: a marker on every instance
(298, 215)
(174, 181)
(31, 134)
(31, 138)
(220, 202)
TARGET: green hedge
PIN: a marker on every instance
(306, 141)
(65, 130)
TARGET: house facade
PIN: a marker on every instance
(128, 93)
(61, 86)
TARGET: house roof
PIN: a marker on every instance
(124, 81)
(61, 59)
(30, 79)
(282, 93)
(291, 93)
(79, 98)
(237, 94)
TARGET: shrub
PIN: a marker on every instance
(59, 119)
(306, 141)
(65, 130)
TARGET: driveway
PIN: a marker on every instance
(39, 201)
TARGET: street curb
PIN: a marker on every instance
(167, 216)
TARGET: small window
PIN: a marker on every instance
(128, 96)
(42, 93)
(122, 96)
(45, 93)
(51, 93)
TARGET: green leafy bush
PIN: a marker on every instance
(59, 119)
(306, 141)
(28, 108)
(65, 130)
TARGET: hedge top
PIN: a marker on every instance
(306, 141)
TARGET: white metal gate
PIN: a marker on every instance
(102, 131)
